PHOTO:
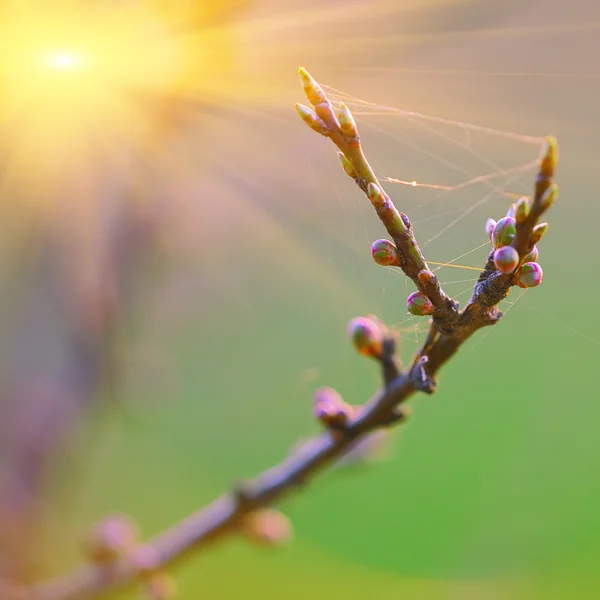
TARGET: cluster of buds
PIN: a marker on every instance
(527, 272)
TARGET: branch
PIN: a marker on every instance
(116, 556)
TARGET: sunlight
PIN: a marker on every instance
(64, 61)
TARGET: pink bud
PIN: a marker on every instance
(506, 259)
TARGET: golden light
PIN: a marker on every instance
(64, 61)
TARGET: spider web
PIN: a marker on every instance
(449, 177)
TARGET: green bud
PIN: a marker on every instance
(529, 275)
(549, 157)
(384, 253)
(532, 256)
(346, 121)
(521, 210)
(310, 117)
(504, 232)
(312, 89)
(506, 259)
(376, 195)
(538, 232)
(346, 165)
(367, 336)
(549, 197)
(419, 305)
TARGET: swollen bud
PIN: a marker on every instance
(490, 224)
(506, 259)
(521, 210)
(312, 89)
(419, 305)
(330, 408)
(346, 121)
(310, 117)
(385, 253)
(346, 165)
(532, 256)
(267, 527)
(367, 336)
(538, 232)
(529, 275)
(110, 538)
(504, 232)
(549, 157)
(375, 194)
(549, 197)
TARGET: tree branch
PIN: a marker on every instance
(120, 560)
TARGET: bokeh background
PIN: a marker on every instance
(180, 260)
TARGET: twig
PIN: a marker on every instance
(242, 510)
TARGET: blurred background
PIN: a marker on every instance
(180, 255)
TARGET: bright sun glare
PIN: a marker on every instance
(64, 61)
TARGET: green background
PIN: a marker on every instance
(493, 487)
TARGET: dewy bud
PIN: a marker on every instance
(521, 210)
(267, 527)
(312, 89)
(346, 121)
(529, 275)
(330, 408)
(490, 224)
(549, 197)
(419, 305)
(549, 157)
(366, 335)
(346, 165)
(384, 253)
(310, 117)
(538, 232)
(504, 232)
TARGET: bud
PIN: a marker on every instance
(267, 527)
(549, 157)
(504, 232)
(506, 259)
(310, 117)
(532, 256)
(160, 587)
(366, 335)
(384, 253)
(538, 232)
(375, 194)
(346, 165)
(418, 304)
(529, 275)
(110, 538)
(549, 197)
(511, 211)
(425, 276)
(490, 224)
(330, 408)
(521, 210)
(346, 121)
(312, 89)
